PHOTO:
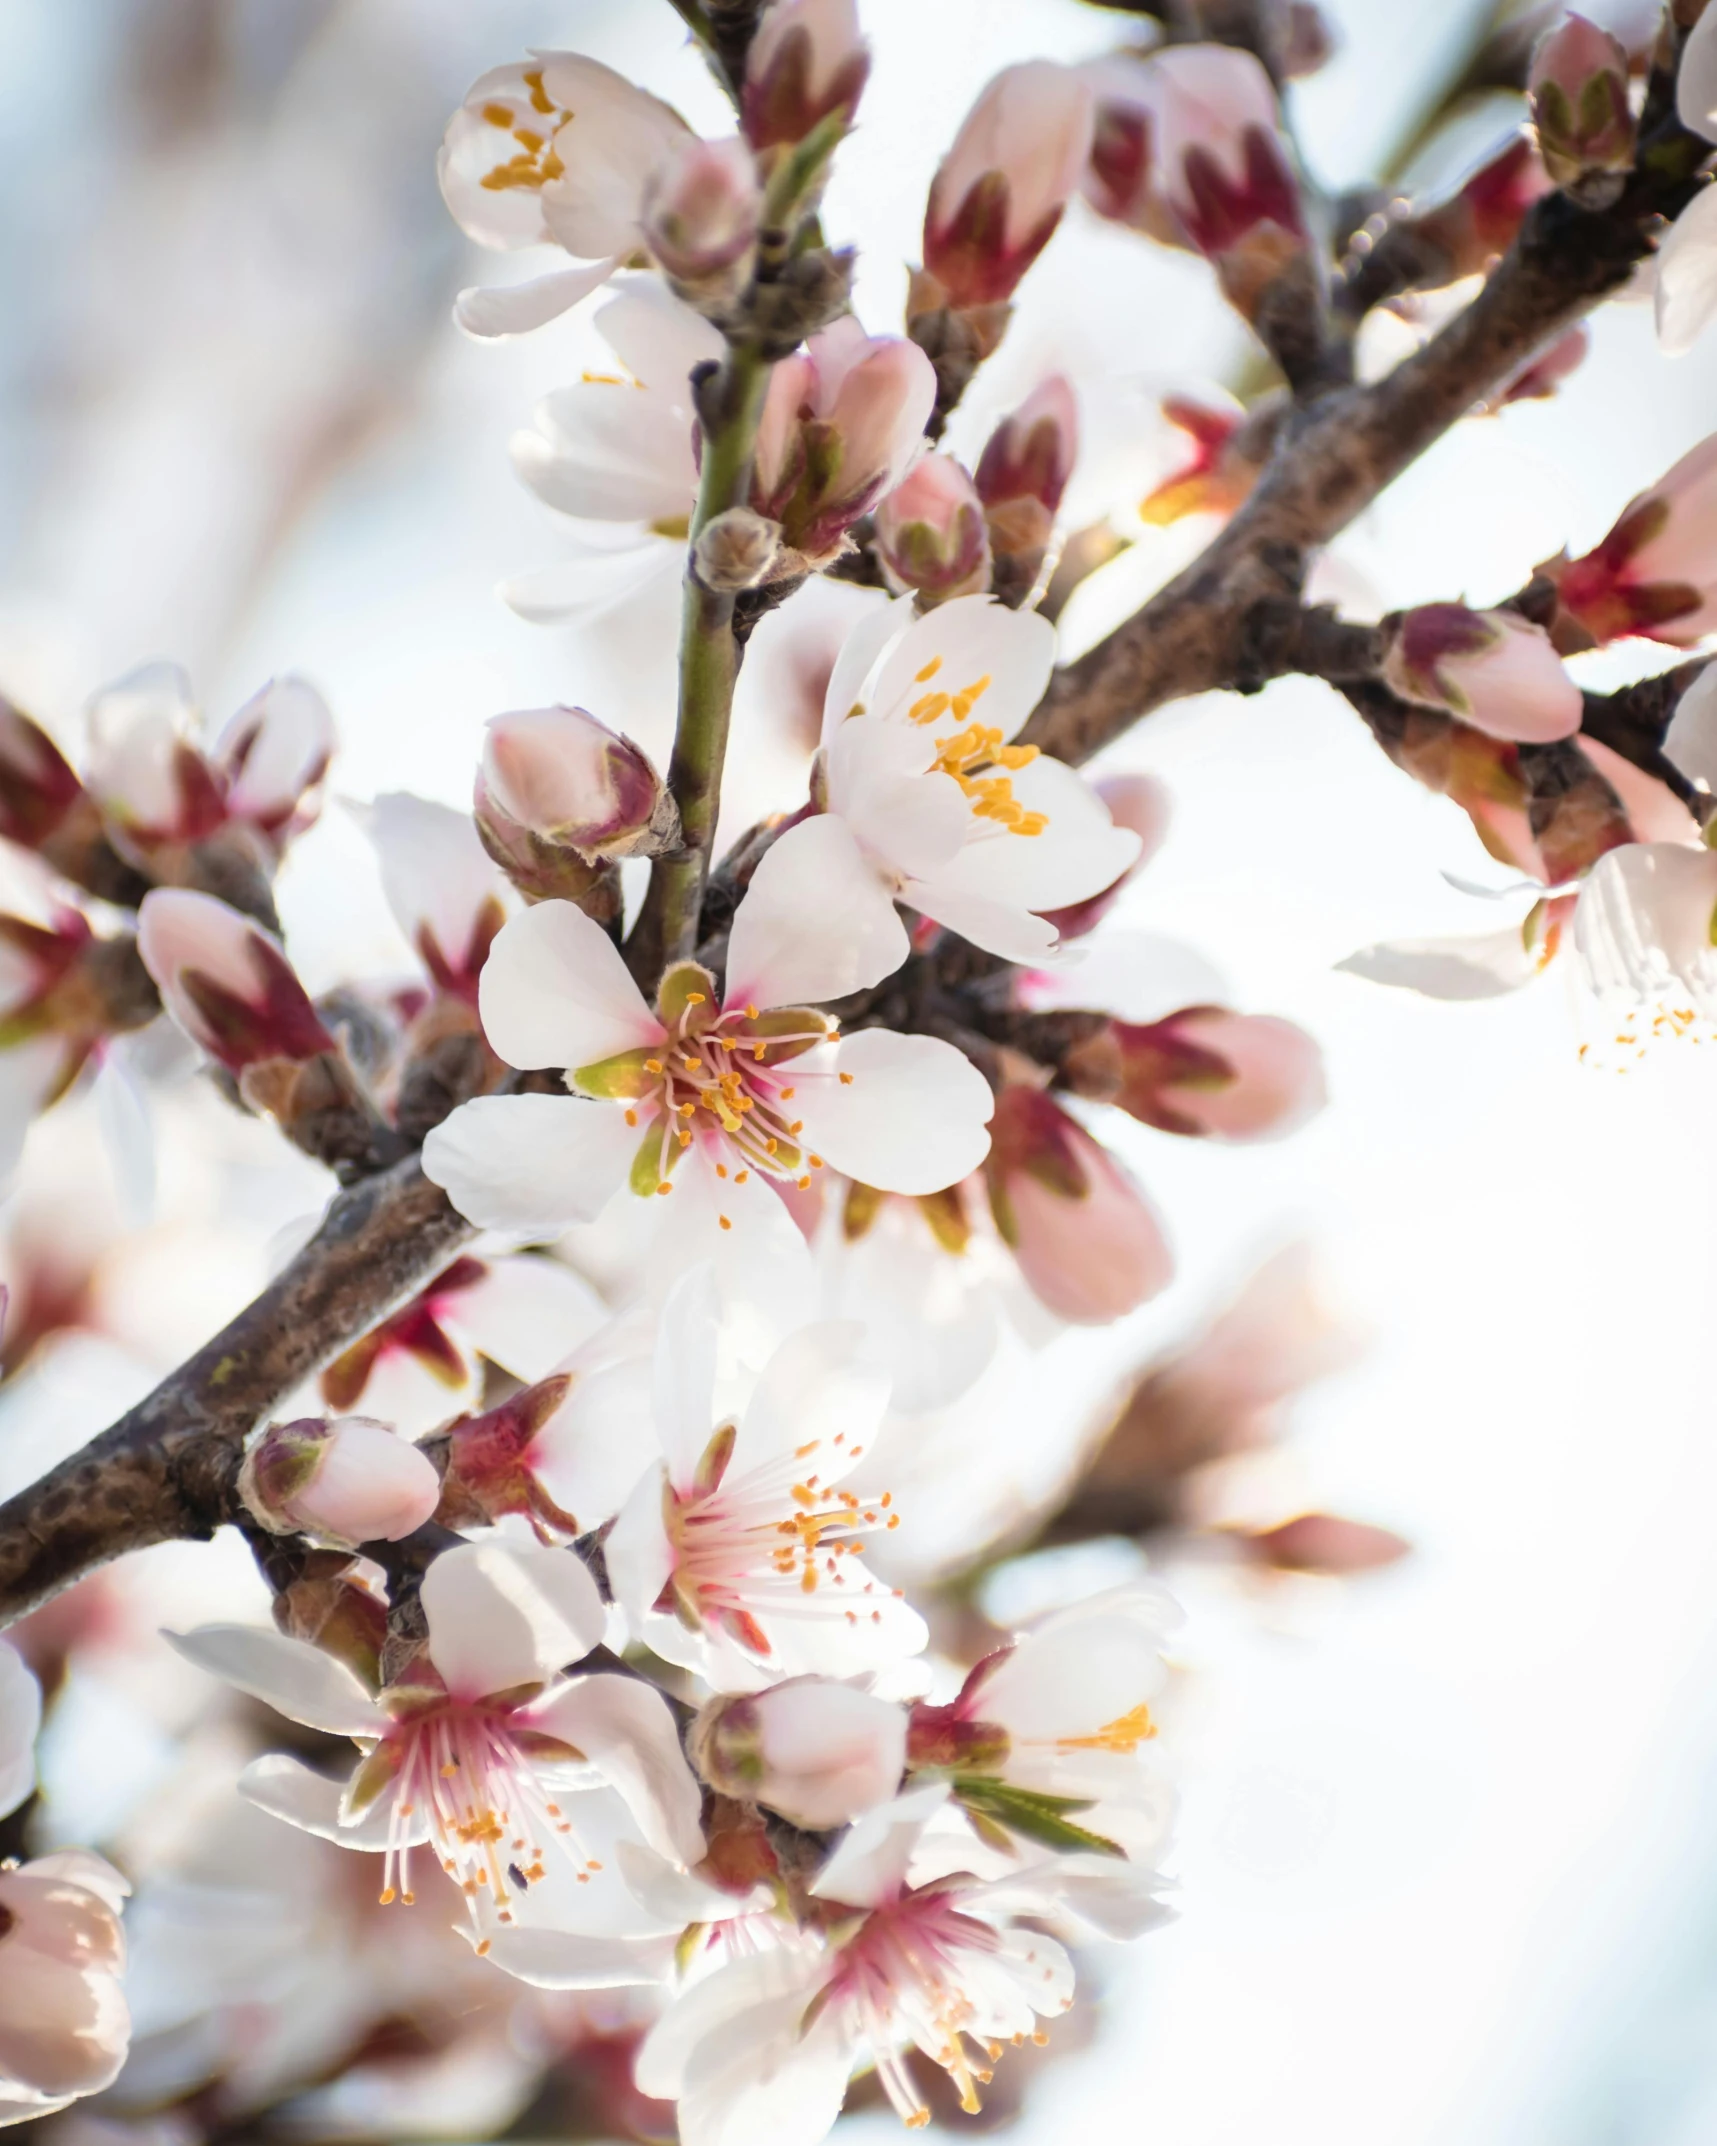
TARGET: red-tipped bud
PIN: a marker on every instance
(1478, 222)
(559, 792)
(701, 212)
(37, 786)
(1224, 160)
(145, 769)
(1578, 86)
(1001, 189)
(807, 62)
(345, 1481)
(271, 758)
(1206, 1073)
(60, 980)
(1230, 448)
(1031, 454)
(226, 981)
(840, 424)
(493, 1464)
(817, 1751)
(1088, 1242)
(1493, 669)
(930, 533)
(1656, 572)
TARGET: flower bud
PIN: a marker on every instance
(37, 786)
(1021, 477)
(840, 424)
(1326, 1543)
(1656, 572)
(806, 62)
(345, 1480)
(1493, 669)
(226, 981)
(271, 758)
(1465, 234)
(737, 550)
(1578, 86)
(145, 770)
(1206, 1073)
(62, 1998)
(60, 980)
(701, 213)
(930, 533)
(1231, 448)
(565, 782)
(493, 1464)
(1000, 191)
(1089, 1244)
(817, 1751)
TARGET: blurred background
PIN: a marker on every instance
(1448, 1865)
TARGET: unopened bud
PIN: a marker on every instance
(1021, 476)
(1205, 1073)
(1000, 191)
(701, 214)
(493, 1464)
(1492, 669)
(1326, 1543)
(737, 550)
(1231, 447)
(1656, 572)
(37, 786)
(817, 1751)
(271, 758)
(930, 533)
(345, 1481)
(60, 980)
(1308, 42)
(806, 63)
(1089, 1244)
(226, 981)
(1578, 85)
(559, 793)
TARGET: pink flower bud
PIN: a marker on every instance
(1308, 42)
(817, 1751)
(1030, 455)
(145, 770)
(930, 532)
(62, 1960)
(1140, 802)
(1578, 86)
(1088, 1243)
(226, 981)
(1493, 669)
(1225, 166)
(37, 785)
(1001, 189)
(1324, 1542)
(701, 213)
(1206, 1073)
(560, 775)
(806, 62)
(1656, 572)
(839, 426)
(346, 1481)
(272, 756)
(1122, 179)
(1479, 220)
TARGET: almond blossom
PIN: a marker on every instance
(470, 1748)
(951, 817)
(554, 150)
(344, 1481)
(1000, 191)
(740, 1553)
(726, 1089)
(1493, 669)
(64, 2028)
(806, 63)
(817, 1751)
(1645, 945)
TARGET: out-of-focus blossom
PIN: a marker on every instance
(1088, 1242)
(806, 62)
(445, 894)
(723, 1091)
(741, 1553)
(1045, 1737)
(1021, 477)
(1645, 947)
(1578, 87)
(1696, 79)
(470, 1748)
(226, 981)
(701, 213)
(342, 1480)
(840, 423)
(558, 776)
(817, 1751)
(1325, 1543)
(64, 2027)
(20, 1719)
(1691, 739)
(930, 533)
(63, 993)
(1655, 573)
(1468, 231)
(999, 193)
(1231, 445)
(1493, 669)
(979, 834)
(560, 150)
(1542, 376)
(39, 789)
(1123, 180)
(1686, 289)
(763, 2047)
(1206, 1072)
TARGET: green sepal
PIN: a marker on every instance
(622, 1077)
(685, 982)
(1032, 1814)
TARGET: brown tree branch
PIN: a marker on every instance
(167, 1469)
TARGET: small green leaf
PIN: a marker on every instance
(1031, 1814)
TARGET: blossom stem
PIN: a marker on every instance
(667, 928)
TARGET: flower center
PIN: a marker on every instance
(534, 163)
(972, 756)
(491, 1819)
(1125, 1733)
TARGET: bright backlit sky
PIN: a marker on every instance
(1448, 1861)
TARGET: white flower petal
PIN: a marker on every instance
(869, 1865)
(903, 1113)
(708, 2008)
(529, 1164)
(593, 582)
(608, 450)
(1079, 853)
(528, 1313)
(1691, 740)
(814, 1387)
(492, 310)
(769, 2080)
(1686, 291)
(815, 923)
(563, 1960)
(20, 1719)
(969, 640)
(555, 992)
(627, 1731)
(291, 1676)
(501, 1615)
(684, 1373)
(1487, 965)
(1137, 976)
(287, 1788)
(879, 783)
(998, 927)
(435, 873)
(1696, 82)
(639, 1555)
(610, 148)
(657, 338)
